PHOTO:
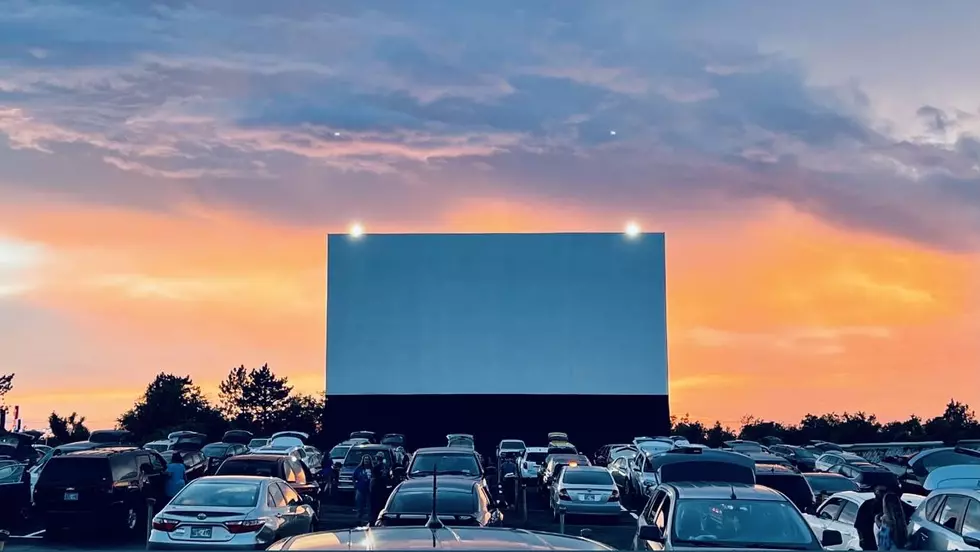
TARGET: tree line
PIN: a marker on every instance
(257, 400)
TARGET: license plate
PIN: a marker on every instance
(589, 497)
(71, 497)
(200, 532)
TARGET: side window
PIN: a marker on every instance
(652, 506)
(290, 468)
(144, 460)
(952, 512)
(123, 467)
(270, 500)
(931, 508)
(848, 513)
(831, 509)
(663, 516)
(848, 471)
(158, 464)
(277, 497)
(291, 496)
(971, 521)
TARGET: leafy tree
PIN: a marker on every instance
(754, 429)
(693, 431)
(955, 423)
(172, 403)
(6, 383)
(69, 429)
(303, 413)
(717, 435)
(256, 399)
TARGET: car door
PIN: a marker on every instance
(844, 522)
(648, 516)
(154, 471)
(300, 516)
(281, 508)
(944, 531)
(826, 514)
(617, 470)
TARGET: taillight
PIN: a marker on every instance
(165, 525)
(247, 526)
(563, 495)
(614, 497)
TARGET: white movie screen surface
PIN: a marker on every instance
(576, 314)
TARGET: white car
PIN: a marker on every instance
(232, 512)
(585, 491)
(530, 462)
(839, 512)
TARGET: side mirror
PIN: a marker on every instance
(308, 500)
(831, 538)
(972, 539)
(651, 533)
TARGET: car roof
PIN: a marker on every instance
(458, 538)
(98, 452)
(444, 450)
(232, 479)
(449, 482)
(588, 469)
(259, 457)
(715, 491)
(870, 467)
(824, 475)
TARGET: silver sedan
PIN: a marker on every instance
(585, 491)
(231, 513)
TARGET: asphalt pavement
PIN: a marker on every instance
(617, 532)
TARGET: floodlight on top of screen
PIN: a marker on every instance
(632, 229)
(356, 230)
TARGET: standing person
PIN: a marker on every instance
(864, 522)
(508, 466)
(362, 489)
(176, 475)
(892, 526)
(379, 484)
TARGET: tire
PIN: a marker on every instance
(130, 520)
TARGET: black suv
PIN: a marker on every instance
(104, 486)
(789, 482)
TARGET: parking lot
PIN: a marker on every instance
(614, 532)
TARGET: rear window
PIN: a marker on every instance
(706, 471)
(338, 453)
(536, 457)
(512, 445)
(587, 477)
(216, 450)
(445, 463)
(67, 470)
(794, 487)
(447, 502)
(262, 468)
(831, 484)
(214, 493)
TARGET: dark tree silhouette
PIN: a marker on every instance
(691, 430)
(172, 403)
(717, 435)
(256, 399)
(6, 383)
(69, 429)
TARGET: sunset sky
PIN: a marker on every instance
(168, 172)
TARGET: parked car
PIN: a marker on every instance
(913, 471)
(601, 456)
(216, 453)
(829, 461)
(949, 519)
(867, 476)
(530, 462)
(108, 486)
(238, 437)
(288, 469)
(803, 459)
(585, 491)
(840, 511)
(553, 464)
(731, 515)
(789, 481)
(460, 502)
(232, 512)
(345, 481)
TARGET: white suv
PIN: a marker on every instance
(530, 462)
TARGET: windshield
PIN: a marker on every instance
(338, 453)
(215, 493)
(68, 470)
(512, 445)
(803, 453)
(262, 468)
(794, 487)
(216, 450)
(159, 447)
(573, 476)
(461, 442)
(256, 443)
(829, 484)
(446, 463)
(734, 523)
(536, 457)
(420, 502)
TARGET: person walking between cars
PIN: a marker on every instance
(379, 484)
(508, 467)
(176, 475)
(891, 523)
(864, 522)
(362, 489)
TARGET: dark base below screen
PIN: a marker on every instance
(589, 420)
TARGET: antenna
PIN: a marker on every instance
(434, 523)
